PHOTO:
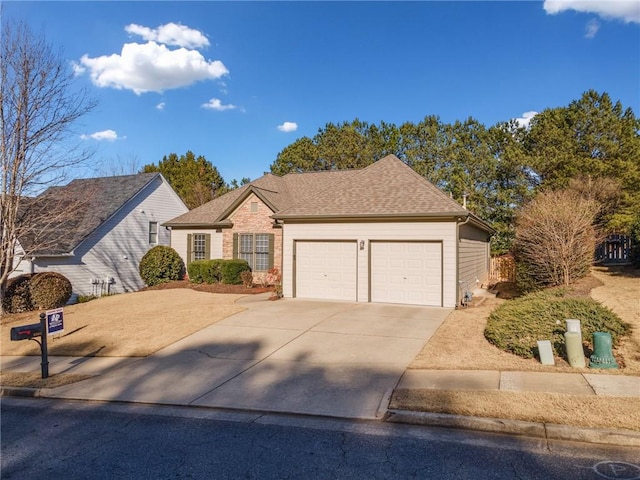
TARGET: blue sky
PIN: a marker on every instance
(239, 81)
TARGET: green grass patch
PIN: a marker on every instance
(86, 298)
(517, 325)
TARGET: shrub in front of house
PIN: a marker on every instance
(161, 264)
(217, 271)
(17, 296)
(205, 271)
(517, 325)
(212, 271)
(194, 269)
(231, 271)
(49, 290)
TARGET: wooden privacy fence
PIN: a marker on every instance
(502, 269)
(614, 249)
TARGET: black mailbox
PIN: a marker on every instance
(26, 332)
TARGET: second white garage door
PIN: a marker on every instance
(326, 270)
(406, 272)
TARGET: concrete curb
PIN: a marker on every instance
(621, 438)
(24, 392)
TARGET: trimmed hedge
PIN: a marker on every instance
(217, 271)
(517, 325)
(205, 271)
(17, 296)
(232, 271)
(161, 264)
(42, 290)
(212, 272)
(49, 290)
(195, 269)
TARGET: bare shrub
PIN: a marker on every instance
(555, 236)
(247, 278)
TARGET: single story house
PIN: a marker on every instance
(95, 231)
(378, 234)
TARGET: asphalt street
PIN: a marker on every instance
(48, 439)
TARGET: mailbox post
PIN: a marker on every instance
(29, 332)
(44, 363)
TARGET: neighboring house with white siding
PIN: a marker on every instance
(98, 244)
(379, 234)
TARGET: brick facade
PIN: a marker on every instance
(258, 221)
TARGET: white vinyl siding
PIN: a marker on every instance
(443, 232)
(326, 270)
(114, 250)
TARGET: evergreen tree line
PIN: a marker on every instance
(589, 143)
(591, 146)
(194, 178)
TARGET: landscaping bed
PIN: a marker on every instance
(460, 344)
(211, 287)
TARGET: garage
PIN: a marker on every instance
(326, 270)
(406, 272)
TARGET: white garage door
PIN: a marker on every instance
(408, 273)
(326, 270)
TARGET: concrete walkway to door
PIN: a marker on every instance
(296, 356)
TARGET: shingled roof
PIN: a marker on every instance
(278, 193)
(387, 188)
(62, 217)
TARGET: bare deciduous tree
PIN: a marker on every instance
(39, 106)
(607, 192)
(556, 237)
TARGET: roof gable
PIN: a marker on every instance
(269, 188)
(387, 187)
(53, 230)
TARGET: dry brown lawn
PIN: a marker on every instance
(577, 410)
(459, 344)
(35, 380)
(125, 325)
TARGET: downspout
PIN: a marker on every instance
(458, 225)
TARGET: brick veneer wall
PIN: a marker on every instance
(246, 221)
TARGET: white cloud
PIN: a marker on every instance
(109, 135)
(161, 106)
(627, 11)
(216, 104)
(170, 34)
(288, 127)
(151, 67)
(525, 119)
(592, 27)
(77, 69)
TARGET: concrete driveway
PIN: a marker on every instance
(298, 356)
